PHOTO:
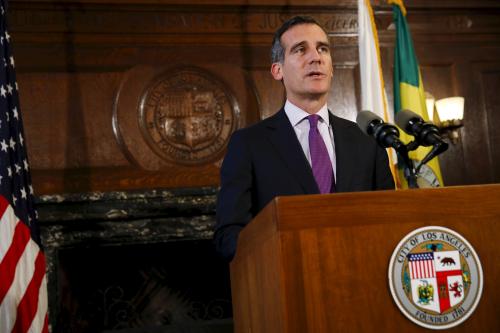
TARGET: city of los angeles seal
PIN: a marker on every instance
(435, 277)
(187, 116)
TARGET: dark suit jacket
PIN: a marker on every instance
(266, 160)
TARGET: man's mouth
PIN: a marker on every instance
(315, 74)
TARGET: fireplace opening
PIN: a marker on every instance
(175, 286)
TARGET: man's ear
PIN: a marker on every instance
(276, 71)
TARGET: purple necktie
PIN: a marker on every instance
(320, 160)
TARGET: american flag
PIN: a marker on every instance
(23, 285)
(421, 265)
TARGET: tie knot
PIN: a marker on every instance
(313, 120)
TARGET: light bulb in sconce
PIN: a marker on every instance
(450, 108)
(451, 114)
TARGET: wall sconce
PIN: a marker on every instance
(451, 114)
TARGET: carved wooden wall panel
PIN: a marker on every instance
(342, 98)
(70, 112)
(270, 92)
(85, 66)
(491, 80)
(490, 100)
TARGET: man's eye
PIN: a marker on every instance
(298, 50)
(324, 49)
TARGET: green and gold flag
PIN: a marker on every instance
(409, 93)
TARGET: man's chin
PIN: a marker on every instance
(319, 86)
(318, 91)
(314, 95)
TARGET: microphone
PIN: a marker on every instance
(427, 134)
(386, 135)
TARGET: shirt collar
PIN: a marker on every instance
(296, 114)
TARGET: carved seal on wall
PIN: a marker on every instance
(187, 116)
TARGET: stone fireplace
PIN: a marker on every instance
(140, 261)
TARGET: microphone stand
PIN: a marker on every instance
(437, 149)
(387, 136)
(409, 169)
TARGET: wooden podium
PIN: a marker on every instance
(319, 263)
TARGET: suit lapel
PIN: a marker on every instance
(284, 139)
(344, 148)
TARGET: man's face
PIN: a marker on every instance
(307, 68)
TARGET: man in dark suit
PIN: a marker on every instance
(302, 149)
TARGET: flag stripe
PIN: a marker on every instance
(3, 205)
(11, 259)
(421, 269)
(7, 226)
(27, 308)
(40, 319)
(46, 324)
(24, 272)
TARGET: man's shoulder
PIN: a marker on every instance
(338, 122)
(344, 129)
(265, 124)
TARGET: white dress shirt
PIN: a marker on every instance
(300, 123)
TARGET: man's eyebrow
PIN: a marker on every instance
(323, 44)
(294, 46)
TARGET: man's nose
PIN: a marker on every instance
(314, 56)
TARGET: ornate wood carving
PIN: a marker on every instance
(187, 116)
(165, 117)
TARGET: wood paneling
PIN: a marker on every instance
(73, 57)
(70, 113)
(271, 93)
(489, 82)
(342, 98)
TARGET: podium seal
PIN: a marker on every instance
(435, 277)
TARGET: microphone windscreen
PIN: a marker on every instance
(403, 117)
(364, 118)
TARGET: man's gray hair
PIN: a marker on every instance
(277, 50)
